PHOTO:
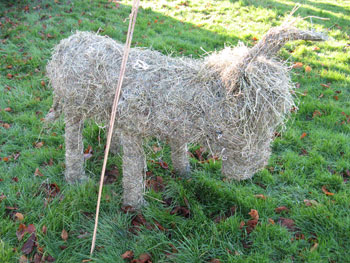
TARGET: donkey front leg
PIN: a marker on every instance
(134, 168)
(179, 157)
(74, 149)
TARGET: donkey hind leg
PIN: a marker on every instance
(134, 168)
(179, 157)
(74, 149)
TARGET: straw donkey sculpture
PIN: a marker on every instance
(232, 101)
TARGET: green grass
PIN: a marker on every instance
(297, 170)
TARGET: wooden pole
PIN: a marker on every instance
(132, 22)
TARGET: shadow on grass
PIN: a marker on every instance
(307, 8)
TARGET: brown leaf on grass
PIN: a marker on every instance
(64, 235)
(23, 259)
(299, 236)
(308, 69)
(321, 96)
(315, 48)
(19, 216)
(21, 232)
(254, 214)
(260, 196)
(39, 144)
(28, 246)
(156, 184)
(128, 255)
(310, 202)
(88, 153)
(2, 196)
(9, 76)
(297, 65)
(241, 225)
(314, 247)
(30, 229)
(49, 258)
(159, 226)
(281, 209)
(6, 126)
(215, 260)
(316, 113)
(325, 86)
(303, 135)
(44, 230)
(51, 190)
(286, 222)
(180, 210)
(42, 83)
(251, 225)
(336, 97)
(145, 258)
(37, 172)
(86, 260)
(38, 258)
(156, 148)
(5, 159)
(324, 189)
(271, 221)
(163, 164)
(15, 179)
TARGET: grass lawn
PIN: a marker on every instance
(195, 219)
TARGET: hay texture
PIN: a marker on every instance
(231, 101)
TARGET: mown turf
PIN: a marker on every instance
(313, 152)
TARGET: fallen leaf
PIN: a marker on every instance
(254, 214)
(315, 48)
(314, 247)
(324, 189)
(145, 258)
(260, 196)
(336, 97)
(42, 83)
(254, 38)
(251, 225)
(15, 179)
(9, 76)
(163, 164)
(316, 113)
(19, 216)
(64, 235)
(88, 153)
(21, 232)
(271, 221)
(215, 260)
(8, 109)
(38, 258)
(30, 229)
(86, 260)
(321, 96)
(310, 202)
(39, 144)
(303, 135)
(280, 209)
(325, 86)
(5, 159)
(308, 69)
(37, 172)
(23, 259)
(241, 225)
(128, 255)
(156, 148)
(28, 246)
(286, 222)
(6, 126)
(44, 229)
(297, 65)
